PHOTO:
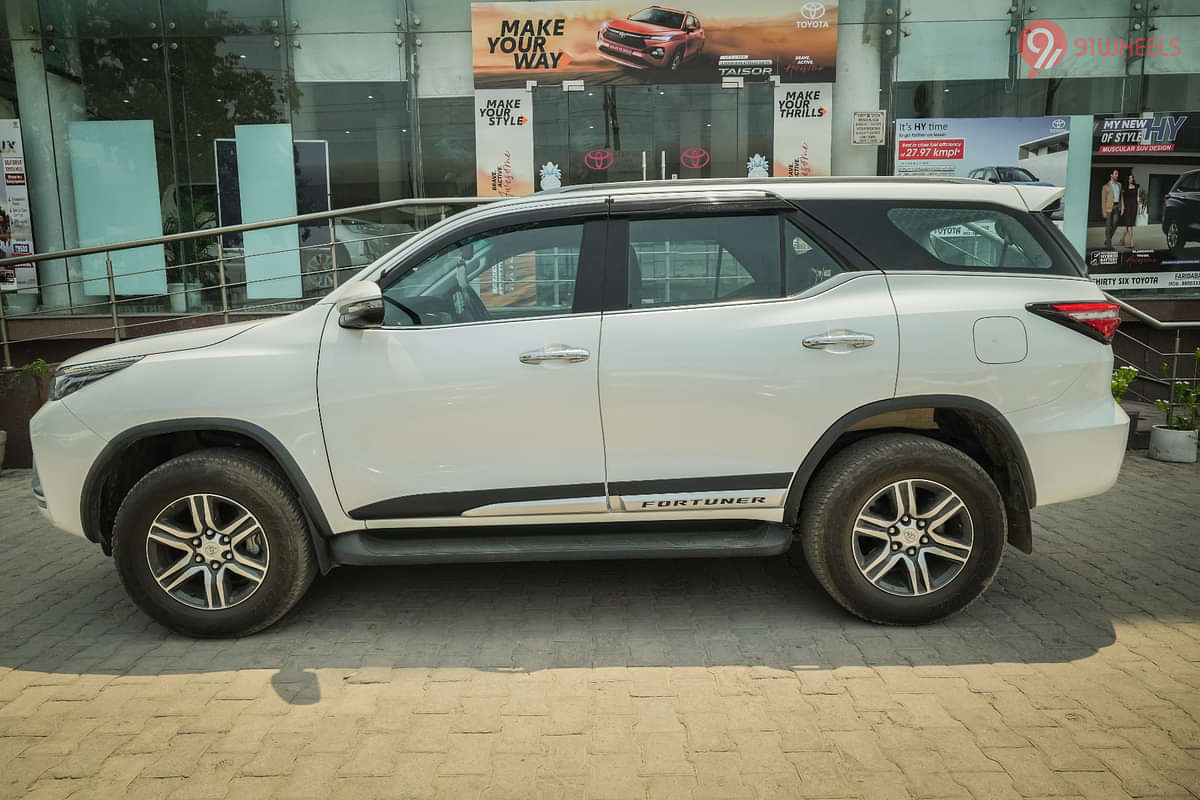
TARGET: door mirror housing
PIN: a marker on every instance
(361, 306)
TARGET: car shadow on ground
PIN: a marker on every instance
(522, 618)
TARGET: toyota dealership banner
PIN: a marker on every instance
(628, 43)
(803, 130)
(1155, 241)
(503, 142)
(16, 225)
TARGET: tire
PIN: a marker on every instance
(1174, 236)
(676, 60)
(267, 562)
(854, 482)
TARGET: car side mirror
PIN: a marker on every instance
(361, 306)
(993, 180)
(691, 28)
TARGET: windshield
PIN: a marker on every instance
(1015, 174)
(658, 16)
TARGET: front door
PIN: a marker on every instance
(478, 397)
(739, 339)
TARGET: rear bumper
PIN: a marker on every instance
(1073, 452)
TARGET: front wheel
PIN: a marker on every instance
(213, 543)
(903, 529)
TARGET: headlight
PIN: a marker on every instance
(666, 38)
(74, 378)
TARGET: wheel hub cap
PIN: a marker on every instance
(207, 552)
(912, 537)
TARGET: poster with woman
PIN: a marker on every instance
(1144, 202)
(16, 228)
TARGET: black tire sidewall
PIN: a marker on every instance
(983, 502)
(241, 482)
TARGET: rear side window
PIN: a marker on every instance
(673, 262)
(971, 237)
(945, 235)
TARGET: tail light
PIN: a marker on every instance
(1097, 320)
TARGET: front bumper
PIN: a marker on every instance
(64, 449)
(628, 57)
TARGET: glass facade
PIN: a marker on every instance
(145, 117)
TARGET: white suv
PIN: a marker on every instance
(890, 372)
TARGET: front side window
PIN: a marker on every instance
(512, 273)
(972, 237)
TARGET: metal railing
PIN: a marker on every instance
(1170, 369)
(122, 307)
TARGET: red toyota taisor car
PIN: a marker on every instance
(653, 37)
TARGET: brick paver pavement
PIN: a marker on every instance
(1076, 675)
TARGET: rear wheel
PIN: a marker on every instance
(213, 543)
(903, 529)
(1175, 240)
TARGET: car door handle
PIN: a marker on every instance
(829, 340)
(572, 355)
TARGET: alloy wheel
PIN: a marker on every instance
(912, 537)
(207, 552)
(1172, 236)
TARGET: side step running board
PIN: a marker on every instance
(768, 539)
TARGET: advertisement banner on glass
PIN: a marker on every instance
(503, 142)
(803, 130)
(1144, 201)
(1029, 151)
(16, 225)
(631, 43)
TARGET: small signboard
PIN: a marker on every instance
(868, 127)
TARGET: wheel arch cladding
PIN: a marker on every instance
(134, 452)
(971, 425)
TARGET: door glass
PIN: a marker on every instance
(807, 264)
(630, 132)
(676, 262)
(508, 274)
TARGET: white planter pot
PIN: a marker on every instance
(178, 299)
(1169, 445)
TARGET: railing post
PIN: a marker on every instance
(333, 251)
(4, 335)
(221, 278)
(112, 296)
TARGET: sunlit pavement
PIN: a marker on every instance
(1077, 674)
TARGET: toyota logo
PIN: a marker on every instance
(598, 159)
(694, 158)
(812, 10)
(1058, 124)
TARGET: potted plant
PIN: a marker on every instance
(9, 379)
(1122, 378)
(1176, 440)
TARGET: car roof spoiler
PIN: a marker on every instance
(1039, 198)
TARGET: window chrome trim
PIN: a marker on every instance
(583, 315)
(827, 285)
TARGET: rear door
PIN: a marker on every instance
(735, 334)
